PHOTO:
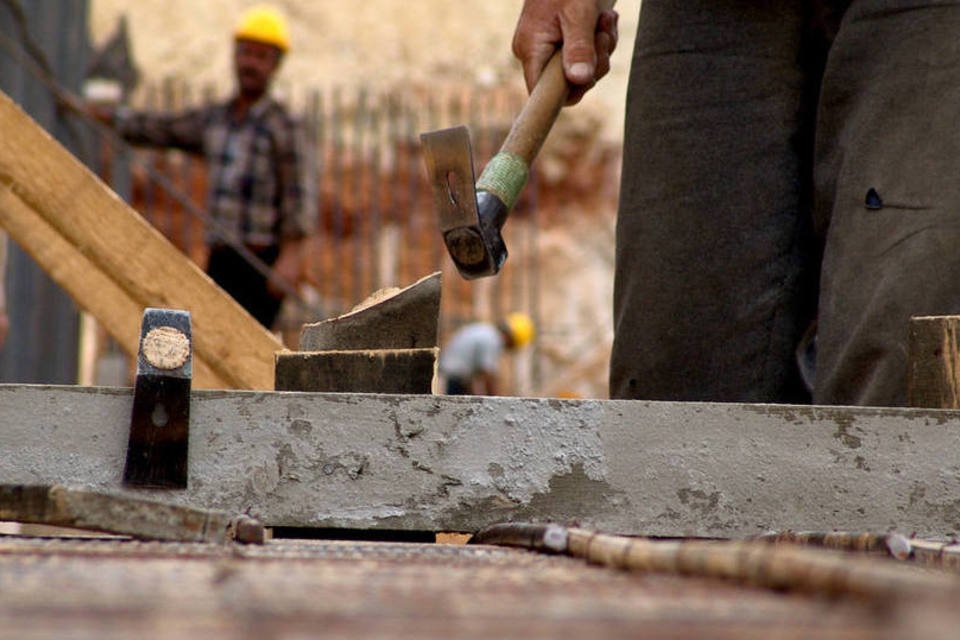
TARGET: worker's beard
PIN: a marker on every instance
(251, 82)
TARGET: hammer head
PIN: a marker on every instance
(470, 220)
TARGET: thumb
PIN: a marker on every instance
(579, 25)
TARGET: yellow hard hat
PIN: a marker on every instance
(521, 328)
(265, 24)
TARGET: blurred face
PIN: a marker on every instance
(255, 64)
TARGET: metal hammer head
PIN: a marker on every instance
(470, 219)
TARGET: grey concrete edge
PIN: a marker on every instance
(458, 464)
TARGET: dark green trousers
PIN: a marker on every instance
(785, 162)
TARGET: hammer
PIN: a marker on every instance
(471, 217)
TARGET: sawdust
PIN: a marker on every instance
(374, 298)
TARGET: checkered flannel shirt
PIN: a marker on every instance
(261, 171)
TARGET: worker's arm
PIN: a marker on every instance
(588, 36)
(180, 131)
(296, 178)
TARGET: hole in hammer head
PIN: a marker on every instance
(159, 417)
(453, 184)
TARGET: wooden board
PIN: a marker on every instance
(373, 371)
(113, 262)
(933, 372)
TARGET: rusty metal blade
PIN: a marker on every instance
(450, 170)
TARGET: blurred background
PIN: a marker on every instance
(366, 79)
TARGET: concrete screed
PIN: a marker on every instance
(440, 463)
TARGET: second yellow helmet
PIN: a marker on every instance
(521, 328)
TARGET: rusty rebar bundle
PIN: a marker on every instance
(752, 562)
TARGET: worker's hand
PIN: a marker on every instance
(102, 113)
(588, 37)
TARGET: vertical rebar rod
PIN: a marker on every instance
(337, 146)
(151, 97)
(376, 230)
(315, 131)
(358, 196)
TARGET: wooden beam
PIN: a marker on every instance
(371, 371)
(90, 287)
(113, 262)
(439, 463)
(933, 371)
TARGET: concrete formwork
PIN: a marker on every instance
(458, 464)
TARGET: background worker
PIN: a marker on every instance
(470, 361)
(783, 161)
(261, 182)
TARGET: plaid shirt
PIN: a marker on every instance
(261, 187)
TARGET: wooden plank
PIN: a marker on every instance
(933, 372)
(373, 371)
(91, 288)
(438, 463)
(134, 265)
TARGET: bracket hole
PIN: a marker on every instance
(159, 417)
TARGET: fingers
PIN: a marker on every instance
(606, 39)
(536, 37)
(587, 35)
(578, 24)
(605, 42)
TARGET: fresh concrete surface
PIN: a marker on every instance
(457, 464)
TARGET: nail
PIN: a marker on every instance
(581, 72)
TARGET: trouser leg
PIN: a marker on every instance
(716, 272)
(890, 98)
(244, 283)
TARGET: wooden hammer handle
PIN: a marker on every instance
(543, 106)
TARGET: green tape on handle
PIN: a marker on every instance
(504, 176)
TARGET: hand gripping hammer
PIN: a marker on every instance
(471, 217)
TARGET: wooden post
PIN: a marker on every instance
(933, 367)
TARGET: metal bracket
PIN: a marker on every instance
(160, 424)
